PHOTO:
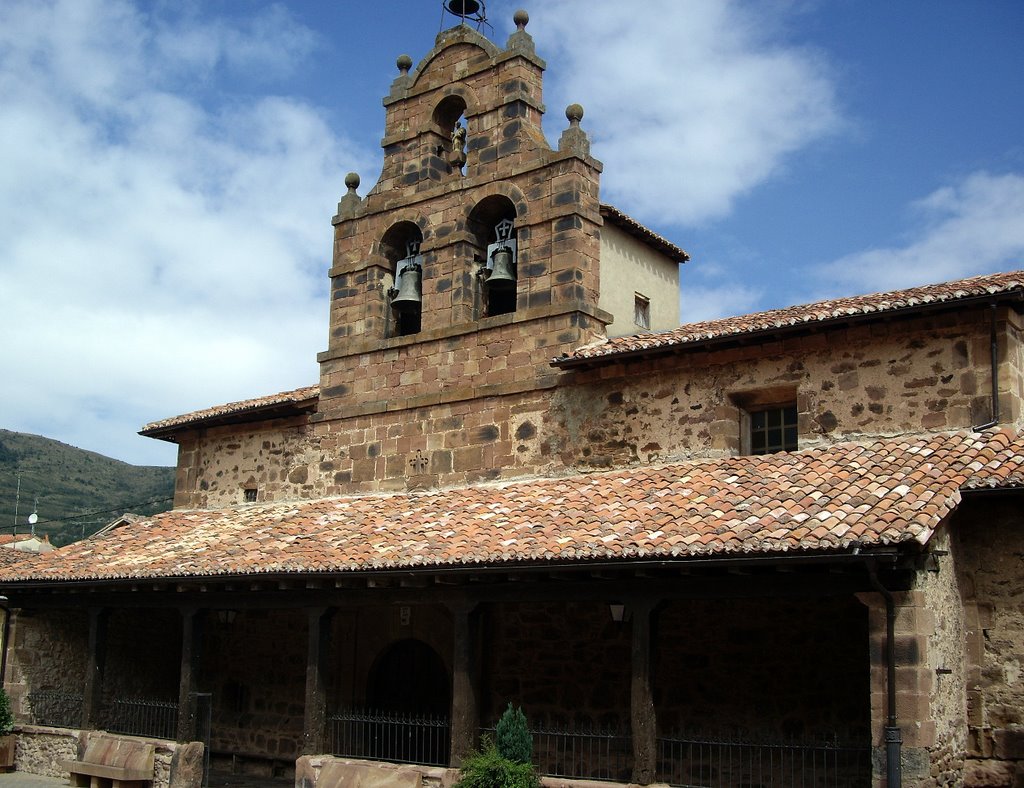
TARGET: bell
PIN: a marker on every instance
(463, 7)
(410, 289)
(503, 271)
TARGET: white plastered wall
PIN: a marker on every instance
(628, 267)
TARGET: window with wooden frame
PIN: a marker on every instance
(769, 420)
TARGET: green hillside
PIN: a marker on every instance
(78, 491)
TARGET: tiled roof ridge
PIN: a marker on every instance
(820, 500)
(803, 314)
(633, 227)
(231, 408)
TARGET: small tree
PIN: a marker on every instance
(6, 716)
(488, 769)
(508, 763)
(513, 736)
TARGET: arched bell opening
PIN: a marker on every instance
(401, 246)
(449, 119)
(492, 224)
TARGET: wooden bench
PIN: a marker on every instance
(111, 762)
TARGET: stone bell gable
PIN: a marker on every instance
(467, 173)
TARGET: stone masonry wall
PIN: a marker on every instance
(990, 534)
(895, 378)
(153, 633)
(259, 662)
(47, 651)
(942, 673)
(564, 663)
(724, 667)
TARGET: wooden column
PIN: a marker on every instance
(92, 694)
(314, 733)
(191, 648)
(642, 714)
(465, 681)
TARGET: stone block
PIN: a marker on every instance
(1009, 742)
(988, 774)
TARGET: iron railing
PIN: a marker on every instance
(707, 762)
(583, 751)
(56, 708)
(157, 719)
(384, 736)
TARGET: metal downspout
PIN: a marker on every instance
(893, 734)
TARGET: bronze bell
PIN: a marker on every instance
(410, 289)
(503, 270)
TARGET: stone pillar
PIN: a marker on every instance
(191, 648)
(314, 733)
(642, 714)
(465, 681)
(92, 694)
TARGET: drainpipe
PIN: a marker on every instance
(893, 734)
(994, 372)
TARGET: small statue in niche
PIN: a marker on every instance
(457, 156)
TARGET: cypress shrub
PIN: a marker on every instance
(514, 741)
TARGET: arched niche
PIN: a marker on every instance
(448, 120)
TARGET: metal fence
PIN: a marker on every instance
(384, 736)
(56, 708)
(705, 762)
(156, 719)
(582, 751)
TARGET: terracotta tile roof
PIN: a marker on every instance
(887, 492)
(297, 397)
(645, 234)
(797, 317)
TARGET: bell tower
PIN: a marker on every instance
(474, 259)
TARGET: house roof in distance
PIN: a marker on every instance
(799, 318)
(825, 500)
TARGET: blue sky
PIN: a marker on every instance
(169, 170)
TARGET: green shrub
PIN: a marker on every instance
(6, 716)
(488, 769)
(513, 736)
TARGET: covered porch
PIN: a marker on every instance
(686, 673)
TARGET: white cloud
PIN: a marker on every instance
(690, 105)
(971, 227)
(157, 254)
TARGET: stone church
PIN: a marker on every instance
(776, 549)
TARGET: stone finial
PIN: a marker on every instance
(404, 63)
(350, 203)
(521, 40)
(574, 139)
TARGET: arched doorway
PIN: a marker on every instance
(410, 690)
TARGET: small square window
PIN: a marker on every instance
(250, 495)
(773, 429)
(642, 310)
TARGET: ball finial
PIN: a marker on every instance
(521, 18)
(352, 181)
(404, 63)
(574, 113)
